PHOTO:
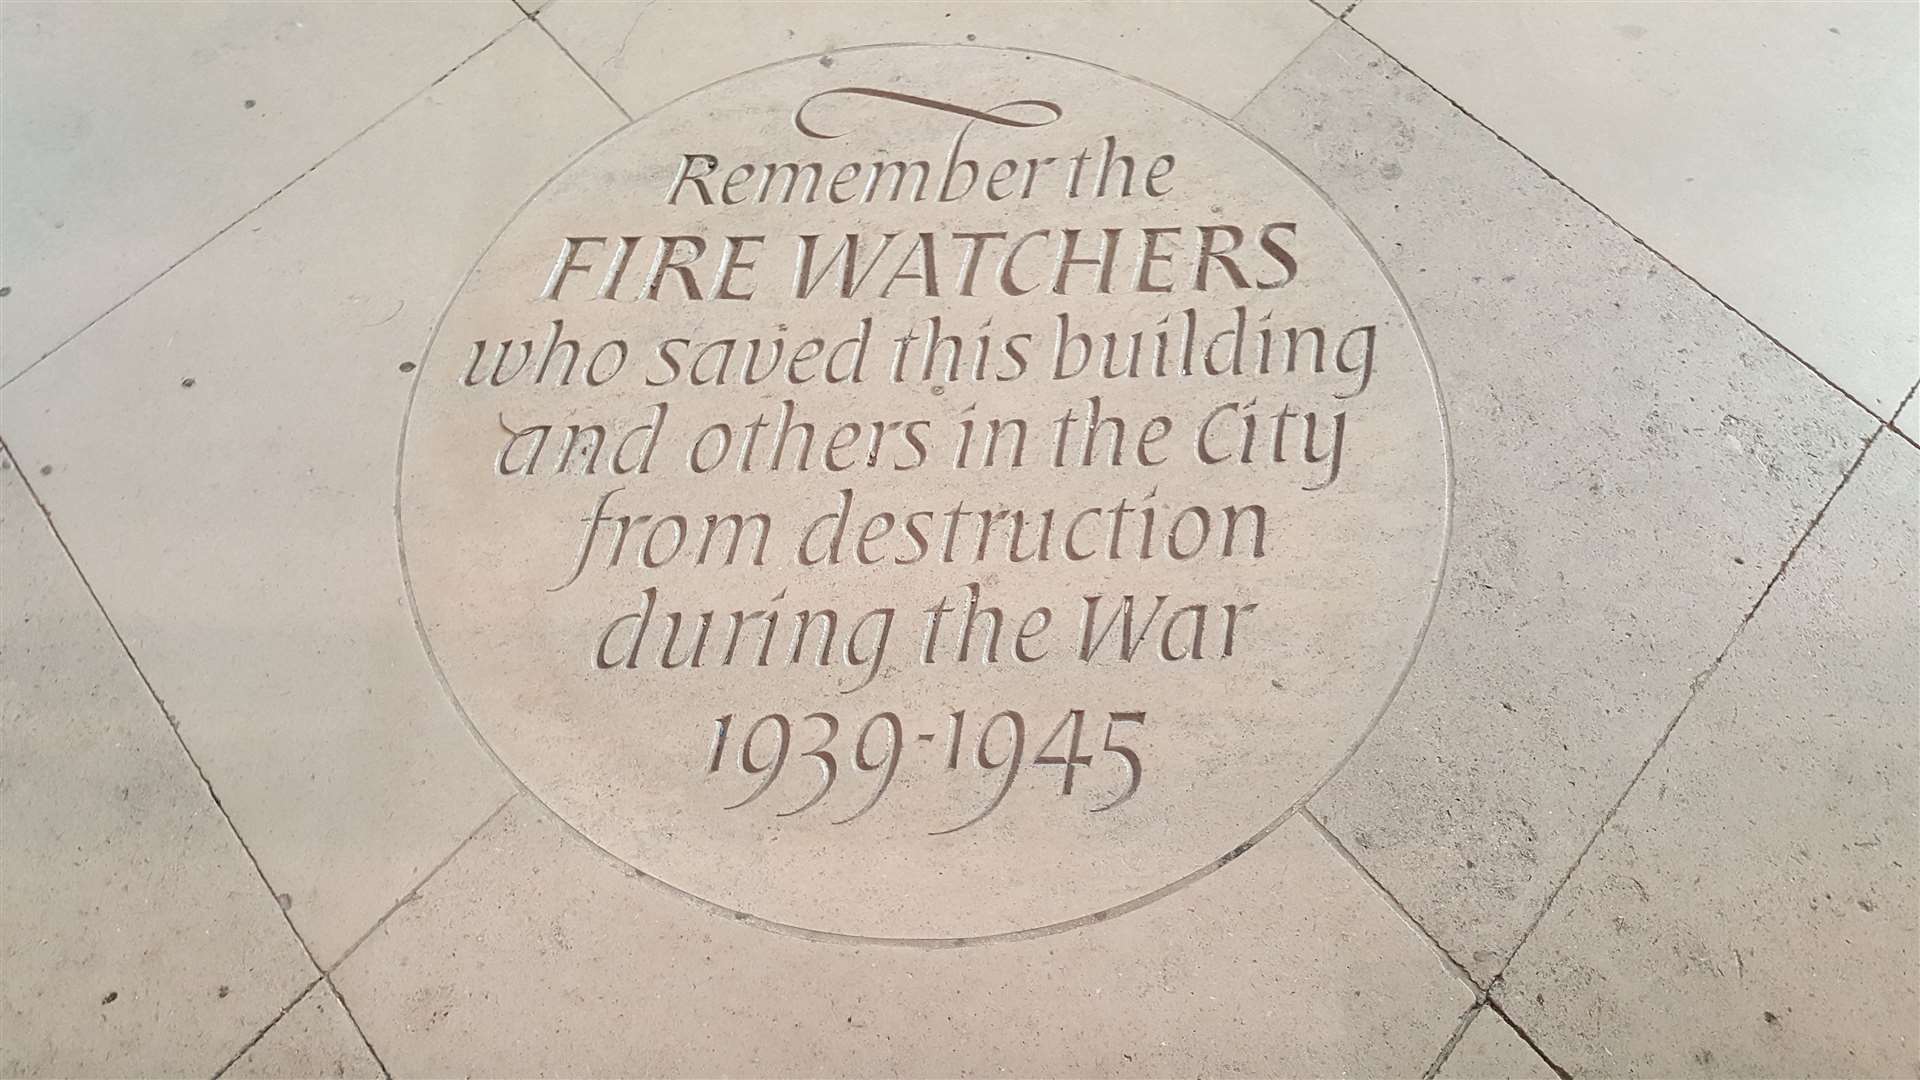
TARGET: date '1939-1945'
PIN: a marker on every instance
(1000, 746)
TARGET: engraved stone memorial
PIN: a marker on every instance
(926, 492)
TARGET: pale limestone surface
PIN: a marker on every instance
(315, 1038)
(1769, 150)
(1251, 664)
(136, 132)
(245, 549)
(240, 532)
(1492, 1050)
(135, 935)
(1751, 908)
(648, 52)
(530, 954)
(1632, 461)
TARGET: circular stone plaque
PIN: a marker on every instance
(924, 492)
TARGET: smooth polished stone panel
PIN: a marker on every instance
(972, 589)
(1632, 462)
(1770, 150)
(533, 954)
(220, 454)
(136, 132)
(135, 936)
(1751, 909)
(1492, 1050)
(316, 1038)
(1219, 54)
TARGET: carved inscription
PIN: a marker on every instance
(888, 459)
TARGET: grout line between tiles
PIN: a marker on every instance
(1699, 682)
(357, 1029)
(255, 208)
(1459, 971)
(1897, 410)
(1459, 1032)
(413, 893)
(1284, 68)
(1494, 1004)
(1883, 421)
(262, 1033)
(173, 725)
(582, 68)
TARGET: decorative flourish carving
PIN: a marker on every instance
(990, 116)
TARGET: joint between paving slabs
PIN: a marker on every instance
(1900, 408)
(250, 211)
(173, 725)
(1286, 67)
(1459, 970)
(1493, 1003)
(262, 1033)
(582, 68)
(1883, 421)
(413, 893)
(1699, 682)
(1453, 1040)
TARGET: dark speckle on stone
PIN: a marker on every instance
(6, 290)
(972, 37)
(249, 103)
(1833, 29)
(826, 61)
(46, 470)
(112, 996)
(186, 383)
(406, 365)
(286, 901)
(1770, 1018)
(225, 990)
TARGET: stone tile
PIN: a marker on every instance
(1691, 124)
(135, 936)
(648, 53)
(1492, 1050)
(220, 452)
(315, 1038)
(1751, 909)
(1632, 462)
(532, 953)
(135, 132)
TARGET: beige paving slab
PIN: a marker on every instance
(1632, 462)
(1751, 909)
(221, 452)
(1771, 150)
(135, 132)
(1492, 1050)
(135, 935)
(533, 954)
(648, 53)
(316, 1038)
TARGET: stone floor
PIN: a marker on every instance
(1648, 803)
